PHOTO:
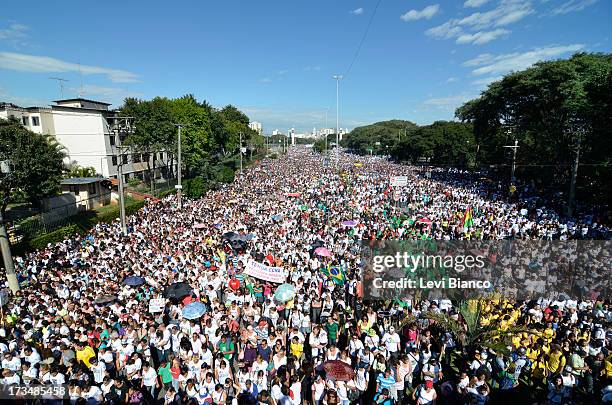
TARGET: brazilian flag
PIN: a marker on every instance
(336, 273)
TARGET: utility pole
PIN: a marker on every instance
(240, 152)
(121, 192)
(337, 78)
(5, 245)
(179, 186)
(572, 192)
(514, 148)
(120, 125)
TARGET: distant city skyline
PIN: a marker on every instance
(418, 60)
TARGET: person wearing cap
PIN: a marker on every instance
(392, 340)
(318, 390)
(425, 394)
(521, 362)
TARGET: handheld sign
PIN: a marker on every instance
(399, 181)
(157, 305)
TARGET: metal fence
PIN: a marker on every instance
(51, 219)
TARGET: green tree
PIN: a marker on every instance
(379, 137)
(37, 164)
(79, 171)
(554, 109)
(153, 129)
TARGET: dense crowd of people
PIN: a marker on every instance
(79, 322)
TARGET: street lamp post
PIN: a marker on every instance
(337, 78)
(179, 186)
(514, 148)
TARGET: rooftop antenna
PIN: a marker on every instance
(61, 84)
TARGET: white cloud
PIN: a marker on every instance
(309, 68)
(92, 89)
(14, 34)
(451, 80)
(474, 3)
(5, 96)
(282, 72)
(481, 37)
(449, 102)
(479, 60)
(426, 13)
(500, 64)
(573, 5)
(46, 64)
(265, 80)
(482, 27)
(486, 81)
(445, 31)
(507, 12)
(357, 11)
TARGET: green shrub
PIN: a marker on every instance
(58, 235)
(166, 193)
(273, 156)
(224, 174)
(194, 188)
(134, 183)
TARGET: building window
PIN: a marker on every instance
(35, 121)
(136, 158)
(91, 189)
(111, 140)
(73, 188)
(124, 159)
(25, 121)
(114, 159)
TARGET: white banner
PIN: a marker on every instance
(263, 272)
(399, 181)
(157, 305)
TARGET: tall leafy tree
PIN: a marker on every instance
(555, 110)
(154, 129)
(37, 164)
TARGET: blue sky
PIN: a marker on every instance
(275, 59)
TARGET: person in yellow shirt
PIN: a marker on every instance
(555, 360)
(549, 332)
(297, 348)
(84, 354)
(608, 368)
(364, 325)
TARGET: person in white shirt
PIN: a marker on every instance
(98, 369)
(28, 372)
(355, 346)
(92, 392)
(149, 378)
(11, 362)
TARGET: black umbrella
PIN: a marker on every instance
(177, 291)
(238, 244)
(230, 236)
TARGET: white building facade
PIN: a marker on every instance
(89, 132)
(256, 126)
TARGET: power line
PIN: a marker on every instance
(365, 34)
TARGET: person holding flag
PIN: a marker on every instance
(468, 218)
